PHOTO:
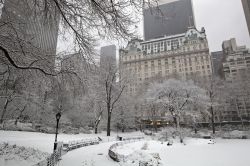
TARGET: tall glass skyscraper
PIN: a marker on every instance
(173, 17)
(108, 56)
(246, 7)
(33, 27)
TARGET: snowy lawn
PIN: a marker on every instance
(41, 141)
(196, 152)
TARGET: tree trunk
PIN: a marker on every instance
(155, 126)
(21, 112)
(212, 119)
(239, 114)
(97, 123)
(4, 110)
(95, 129)
(179, 129)
(108, 125)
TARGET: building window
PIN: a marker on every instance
(166, 61)
(159, 62)
(152, 63)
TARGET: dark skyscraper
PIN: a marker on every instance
(33, 27)
(108, 56)
(246, 7)
(173, 17)
(217, 63)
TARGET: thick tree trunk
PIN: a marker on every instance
(21, 112)
(108, 124)
(155, 126)
(212, 119)
(4, 110)
(95, 129)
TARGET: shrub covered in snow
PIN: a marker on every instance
(10, 125)
(19, 153)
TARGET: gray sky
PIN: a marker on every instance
(222, 19)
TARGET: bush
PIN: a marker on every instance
(85, 131)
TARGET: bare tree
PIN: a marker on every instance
(88, 20)
(215, 88)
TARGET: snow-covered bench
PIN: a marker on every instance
(129, 138)
(78, 144)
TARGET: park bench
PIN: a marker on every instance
(78, 144)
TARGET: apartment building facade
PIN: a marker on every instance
(236, 67)
(237, 60)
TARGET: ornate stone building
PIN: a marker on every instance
(184, 55)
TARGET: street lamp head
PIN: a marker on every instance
(58, 116)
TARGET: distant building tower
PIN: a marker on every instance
(171, 18)
(217, 63)
(229, 46)
(33, 27)
(108, 56)
(237, 60)
(246, 7)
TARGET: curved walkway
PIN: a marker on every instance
(88, 156)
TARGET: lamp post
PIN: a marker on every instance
(58, 116)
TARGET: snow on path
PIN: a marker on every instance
(95, 155)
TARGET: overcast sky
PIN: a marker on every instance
(222, 19)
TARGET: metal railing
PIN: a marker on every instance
(53, 158)
(80, 143)
(63, 148)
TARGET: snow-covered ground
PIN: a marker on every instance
(44, 142)
(196, 152)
